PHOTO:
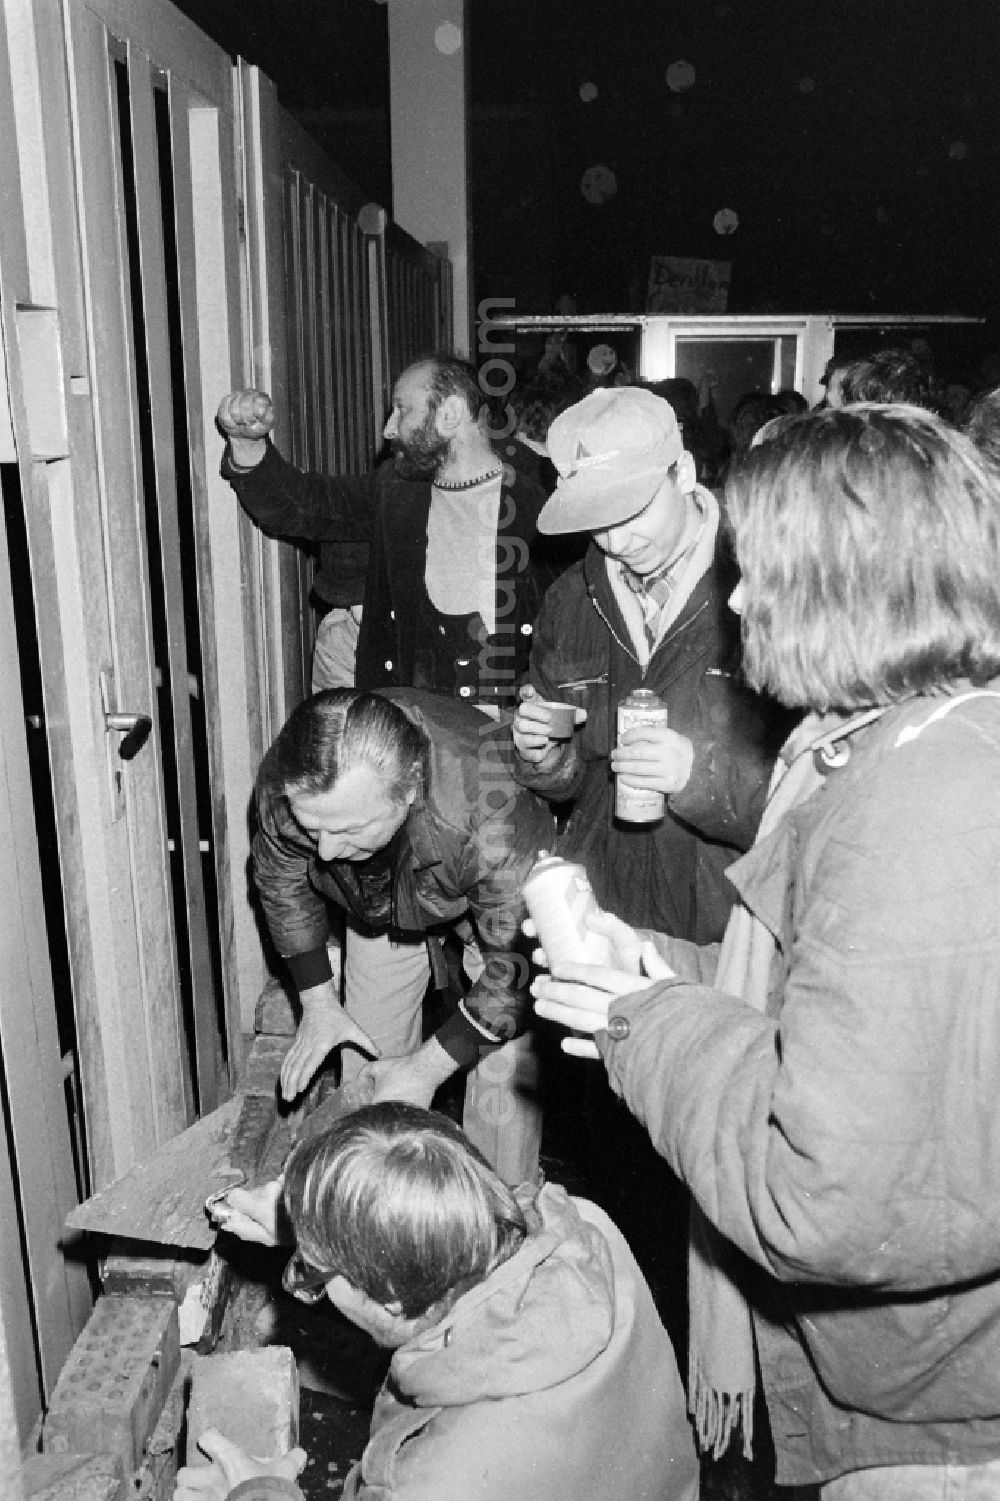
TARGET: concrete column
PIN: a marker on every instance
(427, 104)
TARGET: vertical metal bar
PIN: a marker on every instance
(306, 284)
(325, 334)
(356, 458)
(296, 340)
(365, 337)
(342, 462)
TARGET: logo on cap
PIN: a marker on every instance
(584, 460)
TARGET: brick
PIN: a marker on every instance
(150, 1270)
(158, 1472)
(200, 1314)
(257, 1117)
(156, 1480)
(276, 1013)
(73, 1477)
(279, 1144)
(114, 1385)
(252, 1396)
(333, 1105)
(263, 1065)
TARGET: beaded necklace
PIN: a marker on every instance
(468, 484)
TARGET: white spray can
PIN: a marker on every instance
(559, 898)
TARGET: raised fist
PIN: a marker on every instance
(245, 414)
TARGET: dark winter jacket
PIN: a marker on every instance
(848, 1141)
(468, 843)
(671, 875)
(404, 641)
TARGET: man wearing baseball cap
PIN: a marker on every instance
(646, 608)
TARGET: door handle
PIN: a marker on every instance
(134, 729)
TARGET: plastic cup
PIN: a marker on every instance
(562, 719)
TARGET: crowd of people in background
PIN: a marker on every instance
(905, 372)
(798, 1011)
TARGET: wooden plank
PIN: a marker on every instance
(152, 1079)
(73, 628)
(174, 654)
(44, 1289)
(287, 570)
(68, 563)
(39, 1123)
(171, 39)
(163, 1198)
(181, 106)
(23, 1399)
(241, 706)
(10, 1444)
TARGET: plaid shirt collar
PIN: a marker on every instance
(657, 589)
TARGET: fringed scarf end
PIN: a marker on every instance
(718, 1414)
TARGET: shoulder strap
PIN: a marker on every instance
(911, 731)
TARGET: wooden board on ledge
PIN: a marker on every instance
(163, 1199)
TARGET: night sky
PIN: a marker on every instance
(855, 143)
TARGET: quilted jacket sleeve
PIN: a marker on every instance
(736, 740)
(511, 828)
(296, 914)
(562, 775)
(855, 1138)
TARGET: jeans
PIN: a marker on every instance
(384, 987)
(335, 649)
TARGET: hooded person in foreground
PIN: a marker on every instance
(826, 1082)
(529, 1359)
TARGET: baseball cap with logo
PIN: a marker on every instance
(612, 451)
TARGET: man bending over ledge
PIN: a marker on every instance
(400, 809)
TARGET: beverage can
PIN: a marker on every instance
(559, 899)
(639, 804)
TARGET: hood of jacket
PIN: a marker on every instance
(537, 1320)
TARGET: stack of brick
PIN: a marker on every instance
(263, 1137)
(113, 1428)
(119, 1397)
